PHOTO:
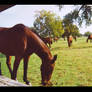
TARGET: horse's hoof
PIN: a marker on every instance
(50, 84)
(28, 83)
(47, 83)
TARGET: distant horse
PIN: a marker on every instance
(47, 41)
(69, 40)
(55, 39)
(89, 37)
(75, 38)
(21, 42)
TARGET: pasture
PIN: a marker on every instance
(73, 65)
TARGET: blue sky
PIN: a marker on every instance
(26, 14)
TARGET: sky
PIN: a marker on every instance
(25, 14)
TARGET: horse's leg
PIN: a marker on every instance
(15, 67)
(71, 43)
(0, 69)
(8, 62)
(68, 44)
(87, 40)
(26, 58)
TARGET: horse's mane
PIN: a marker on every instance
(34, 31)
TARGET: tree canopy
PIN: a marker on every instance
(48, 24)
(87, 33)
(81, 14)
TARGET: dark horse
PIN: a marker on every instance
(55, 39)
(21, 42)
(69, 40)
(47, 41)
(75, 38)
(89, 37)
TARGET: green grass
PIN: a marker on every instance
(73, 65)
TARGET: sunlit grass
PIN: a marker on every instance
(73, 65)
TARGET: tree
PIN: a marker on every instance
(70, 28)
(47, 23)
(87, 33)
(81, 14)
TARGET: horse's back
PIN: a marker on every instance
(12, 40)
(70, 38)
(90, 36)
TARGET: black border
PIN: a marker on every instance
(46, 2)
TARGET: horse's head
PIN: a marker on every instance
(46, 70)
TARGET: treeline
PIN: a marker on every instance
(87, 33)
(48, 23)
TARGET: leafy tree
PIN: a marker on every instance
(47, 23)
(87, 33)
(70, 28)
(81, 14)
(79, 34)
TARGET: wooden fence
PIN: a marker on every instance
(4, 81)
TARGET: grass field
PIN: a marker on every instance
(73, 65)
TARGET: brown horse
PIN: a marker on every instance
(89, 37)
(21, 42)
(47, 41)
(69, 40)
(55, 39)
(75, 38)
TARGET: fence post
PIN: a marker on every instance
(0, 69)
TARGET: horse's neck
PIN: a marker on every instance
(43, 52)
(39, 47)
(43, 55)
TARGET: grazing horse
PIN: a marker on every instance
(21, 42)
(55, 39)
(89, 37)
(47, 41)
(75, 38)
(69, 40)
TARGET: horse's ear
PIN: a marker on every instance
(54, 58)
